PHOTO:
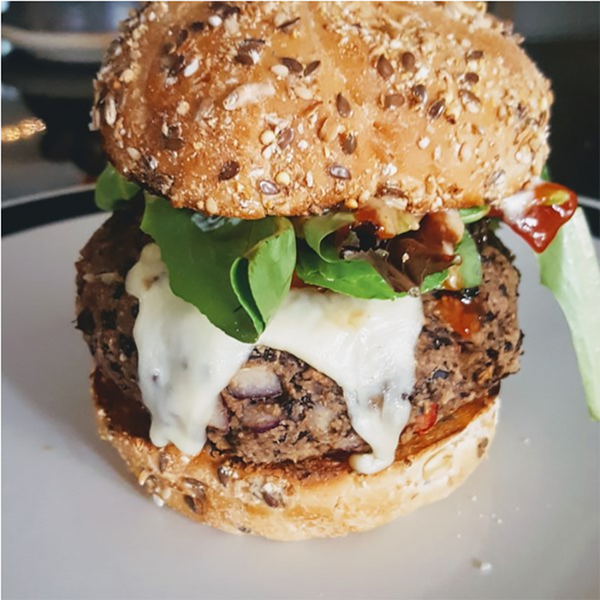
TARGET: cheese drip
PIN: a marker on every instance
(366, 346)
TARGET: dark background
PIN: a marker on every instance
(562, 38)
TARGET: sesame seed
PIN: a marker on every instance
(393, 101)
(423, 143)
(183, 108)
(436, 108)
(474, 54)
(470, 100)
(419, 93)
(384, 67)
(127, 76)
(204, 108)
(285, 137)
(110, 111)
(181, 37)
(389, 169)
(352, 204)
(268, 187)
(287, 25)
(303, 92)
(339, 172)
(329, 130)
(133, 153)
(465, 152)
(343, 106)
(211, 206)
(292, 64)
(309, 179)
(408, 60)
(191, 68)
(229, 170)
(158, 500)
(302, 144)
(471, 78)
(283, 178)
(268, 151)
(267, 137)
(197, 26)
(215, 21)
(311, 67)
(348, 143)
(280, 70)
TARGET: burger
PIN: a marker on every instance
(299, 312)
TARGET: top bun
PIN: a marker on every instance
(254, 109)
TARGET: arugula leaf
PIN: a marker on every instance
(112, 189)
(356, 278)
(545, 174)
(470, 266)
(316, 229)
(569, 269)
(475, 213)
(225, 269)
(269, 266)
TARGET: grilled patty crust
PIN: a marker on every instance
(468, 343)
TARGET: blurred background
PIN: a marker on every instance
(51, 51)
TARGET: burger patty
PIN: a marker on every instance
(284, 409)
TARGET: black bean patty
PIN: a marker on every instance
(469, 342)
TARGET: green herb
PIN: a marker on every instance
(475, 213)
(470, 266)
(235, 272)
(112, 189)
(545, 174)
(569, 269)
(356, 278)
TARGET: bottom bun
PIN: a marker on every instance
(316, 498)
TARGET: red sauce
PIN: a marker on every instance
(426, 420)
(370, 215)
(462, 314)
(297, 282)
(552, 207)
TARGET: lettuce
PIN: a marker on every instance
(235, 272)
(112, 189)
(569, 269)
(475, 213)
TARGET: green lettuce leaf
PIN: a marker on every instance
(235, 272)
(112, 189)
(470, 266)
(569, 269)
(475, 213)
(316, 229)
(356, 278)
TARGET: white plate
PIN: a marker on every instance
(76, 526)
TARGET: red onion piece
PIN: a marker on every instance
(259, 422)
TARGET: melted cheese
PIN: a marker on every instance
(184, 361)
(366, 346)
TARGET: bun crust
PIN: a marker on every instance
(315, 498)
(254, 109)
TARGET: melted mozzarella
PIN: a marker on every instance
(366, 346)
(184, 361)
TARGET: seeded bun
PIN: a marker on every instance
(315, 498)
(254, 109)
